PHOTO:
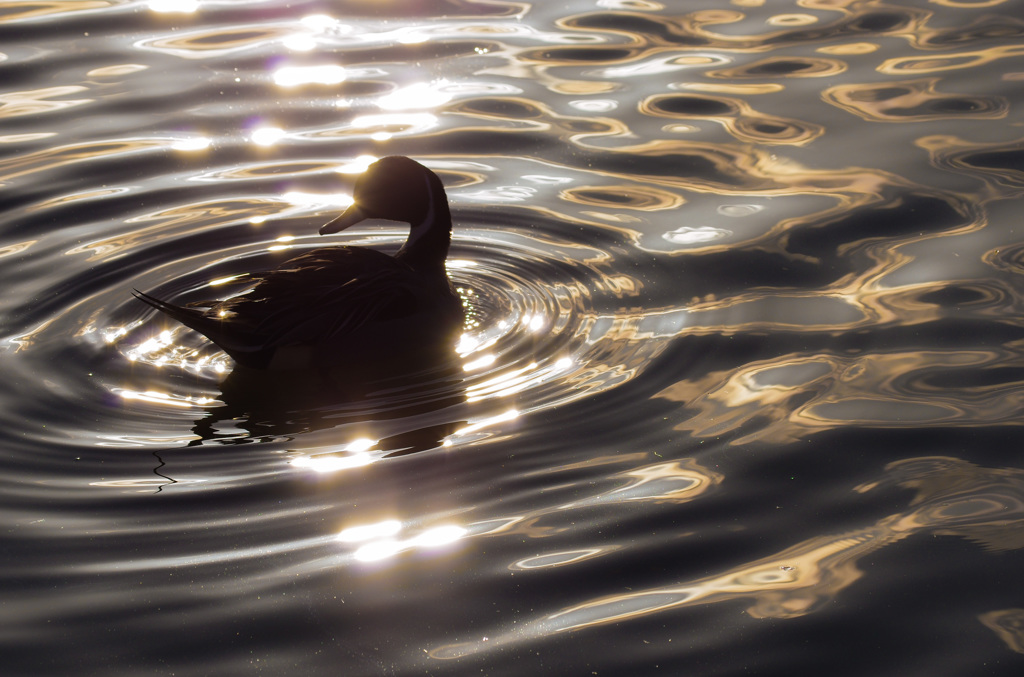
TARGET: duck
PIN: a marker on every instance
(347, 304)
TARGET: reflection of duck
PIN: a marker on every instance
(341, 304)
(408, 411)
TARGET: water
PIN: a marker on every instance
(741, 384)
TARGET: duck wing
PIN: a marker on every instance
(330, 313)
(323, 297)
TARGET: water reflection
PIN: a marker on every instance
(1008, 625)
(738, 118)
(953, 498)
(258, 404)
(293, 76)
(37, 102)
(703, 251)
(912, 100)
(381, 547)
(790, 67)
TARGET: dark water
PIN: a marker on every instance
(740, 392)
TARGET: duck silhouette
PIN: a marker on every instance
(346, 305)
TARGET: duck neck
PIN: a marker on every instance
(427, 246)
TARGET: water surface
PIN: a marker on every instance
(740, 385)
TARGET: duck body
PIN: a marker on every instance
(347, 305)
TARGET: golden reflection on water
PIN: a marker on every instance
(263, 169)
(21, 138)
(849, 49)
(953, 497)
(560, 559)
(912, 65)
(736, 115)
(16, 248)
(21, 10)
(181, 219)
(912, 101)
(788, 67)
(39, 101)
(1008, 625)
(634, 197)
(217, 43)
(997, 165)
(730, 88)
(116, 71)
(673, 482)
(792, 396)
(61, 156)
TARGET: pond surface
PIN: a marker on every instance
(741, 384)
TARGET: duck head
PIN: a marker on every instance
(396, 188)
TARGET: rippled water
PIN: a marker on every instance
(740, 388)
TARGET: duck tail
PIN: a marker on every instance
(188, 317)
(232, 342)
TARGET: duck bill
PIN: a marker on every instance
(349, 217)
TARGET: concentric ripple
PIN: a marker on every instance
(546, 324)
(535, 334)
